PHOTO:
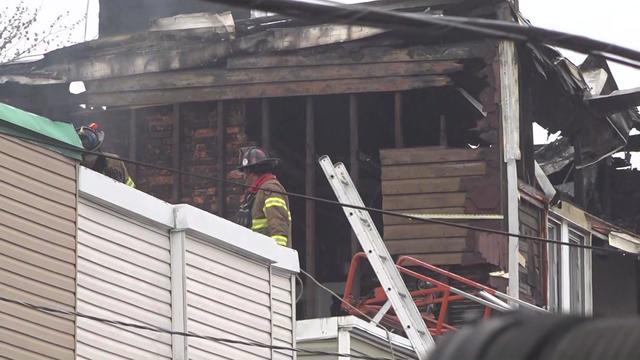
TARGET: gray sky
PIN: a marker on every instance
(614, 21)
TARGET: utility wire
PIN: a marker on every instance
(414, 22)
(158, 329)
(332, 293)
(322, 200)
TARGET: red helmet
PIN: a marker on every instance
(252, 157)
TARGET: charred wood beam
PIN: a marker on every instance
(475, 103)
(443, 131)
(144, 55)
(633, 144)
(296, 38)
(133, 142)
(397, 120)
(354, 148)
(221, 77)
(170, 50)
(298, 88)
(310, 208)
(342, 55)
(176, 154)
(580, 194)
(617, 101)
(220, 148)
(122, 56)
(266, 125)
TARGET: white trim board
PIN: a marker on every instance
(208, 227)
(330, 328)
(122, 198)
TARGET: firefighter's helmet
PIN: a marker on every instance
(91, 136)
(254, 157)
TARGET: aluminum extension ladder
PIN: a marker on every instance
(379, 258)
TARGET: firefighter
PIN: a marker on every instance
(264, 208)
(92, 138)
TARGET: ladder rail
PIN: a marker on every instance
(379, 258)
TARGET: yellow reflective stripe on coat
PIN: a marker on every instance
(280, 239)
(257, 224)
(274, 201)
(130, 182)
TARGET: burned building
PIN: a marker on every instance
(439, 124)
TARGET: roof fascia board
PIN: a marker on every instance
(580, 218)
(572, 214)
(372, 333)
(116, 196)
(328, 328)
(317, 329)
(234, 237)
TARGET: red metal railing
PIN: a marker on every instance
(434, 301)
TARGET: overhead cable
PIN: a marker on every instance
(349, 305)
(190, 334)
(360, 14)
(322, 200)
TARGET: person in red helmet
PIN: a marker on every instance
(92, 138)
(264, 208)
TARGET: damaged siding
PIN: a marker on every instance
(124, 275)
(531, 268)
(437, 180)
(37, 250)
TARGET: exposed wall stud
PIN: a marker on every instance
(310, 209)
(133, 143)
(443, 131)
(397, 119)
(220, 133)
(354, 147)
(266, 120)
(176, 188)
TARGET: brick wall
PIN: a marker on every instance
(199, 139)
(235, 138)
(198, 136)
(155, 146)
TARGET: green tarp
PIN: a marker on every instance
(14, 121)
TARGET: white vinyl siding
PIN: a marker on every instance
(142, 260)
(228, 297)
(38, 198)
(283, 313)
(327, 345)
(123, 274)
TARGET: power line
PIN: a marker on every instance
(332, 293)
(322, 200)
(415, 23)
(158, 329)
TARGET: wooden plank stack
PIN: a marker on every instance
(429, 180)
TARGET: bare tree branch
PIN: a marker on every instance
(21, 31)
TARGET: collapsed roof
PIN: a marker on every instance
(583, 102)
